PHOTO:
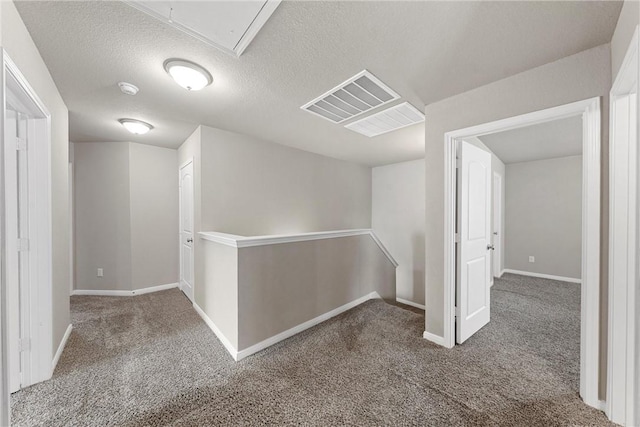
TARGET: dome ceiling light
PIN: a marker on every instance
(136, 127)
(187, 74)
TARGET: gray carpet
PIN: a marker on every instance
(150, 360)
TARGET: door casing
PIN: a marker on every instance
(589, 109)
(37, 320)
(623, 364)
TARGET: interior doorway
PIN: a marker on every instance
(26, 234)
(463, 316)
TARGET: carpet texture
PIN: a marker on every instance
(150, 360)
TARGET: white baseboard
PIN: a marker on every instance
(543, 276)
(154, 289)
(304, 326)
(224, 340)
(63, 343)
(411, 303)
(436, 339)
(109, 293)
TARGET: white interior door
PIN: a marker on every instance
(474, 243)
(497, 224)
(186, 230)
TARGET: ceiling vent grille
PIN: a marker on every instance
(361, 93)
(397, 117)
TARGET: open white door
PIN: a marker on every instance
(186, 229)
(474, 245)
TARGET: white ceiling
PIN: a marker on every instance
(558, 138)
(425, 51)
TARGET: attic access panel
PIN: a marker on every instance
(394, 118)
(360, 94)
(227, 25)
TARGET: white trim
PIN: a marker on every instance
(132, 293)
(411, 303)
(236, 241)
(501, 273)
(623, 367)
(224, 340)
(436, 339)
(304, 326)
(541, 275)
(258, 22)
(36, 294)
(590, 291)
(260, 19)
(61, 347)
(602, 405)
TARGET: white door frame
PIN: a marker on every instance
(590, 315)
(497, 213)
(623, 367)
(38, 328)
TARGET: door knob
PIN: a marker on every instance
(491, 247)
(189, 240)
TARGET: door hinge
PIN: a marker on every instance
(25, 344)
(21, 144)
(458, 162)
(456, 312)
(23, 245)
(457, 238)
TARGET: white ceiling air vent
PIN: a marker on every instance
(359, 94)
(397, 117)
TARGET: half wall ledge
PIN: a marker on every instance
(257, 291)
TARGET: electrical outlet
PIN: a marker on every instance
(100, 272)
(532, 258)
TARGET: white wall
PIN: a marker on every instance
(255, 187)
(126, 215)
(581, 76)
(544, 216)
(627, 22)
(398, 209)
(20, 47)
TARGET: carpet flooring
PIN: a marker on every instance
(149, 360)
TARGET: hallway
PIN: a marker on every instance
(150, 360)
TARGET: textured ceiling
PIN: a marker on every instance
(558, 138)
(425, 51)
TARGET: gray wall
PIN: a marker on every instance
(254, 187)
(20, 47)
(154, 215)
(126, 215)
(102, 215)
(398, 221)
(284, 285)
(544, 216)
(581, 76)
